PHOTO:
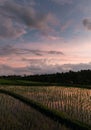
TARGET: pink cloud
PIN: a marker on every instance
(62, 2)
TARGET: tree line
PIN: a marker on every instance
(82, 77)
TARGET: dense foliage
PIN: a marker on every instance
(82, 77)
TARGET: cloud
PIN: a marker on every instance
(30, 3)
(8, 30)
(55, 52)
(25, 2)
(53, 38)
(63, 2)
(31, 69)
(43, 68)
(2, 1)
(16, 19)
(76, 67)
(66, 25)
(9, 50)
(87, 23)
(9, 70)
(46, 68)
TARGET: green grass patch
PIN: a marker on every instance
(22, 82)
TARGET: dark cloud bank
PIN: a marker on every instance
(87, 23)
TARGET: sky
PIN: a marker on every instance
(44, 36)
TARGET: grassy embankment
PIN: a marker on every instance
(31, 83)
(22, 82)
(53, 114)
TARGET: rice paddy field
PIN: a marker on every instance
(75, 102)
(14, 115)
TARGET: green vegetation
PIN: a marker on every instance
(10, 82)
(81, 79)
(21, 82)
(53, 114)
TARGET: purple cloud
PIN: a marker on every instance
(62, 2)
(20, 18)
(87, 23)
(8, 30)
(9, 50)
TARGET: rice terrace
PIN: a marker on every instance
(58, 107)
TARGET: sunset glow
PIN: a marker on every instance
(44, 36)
